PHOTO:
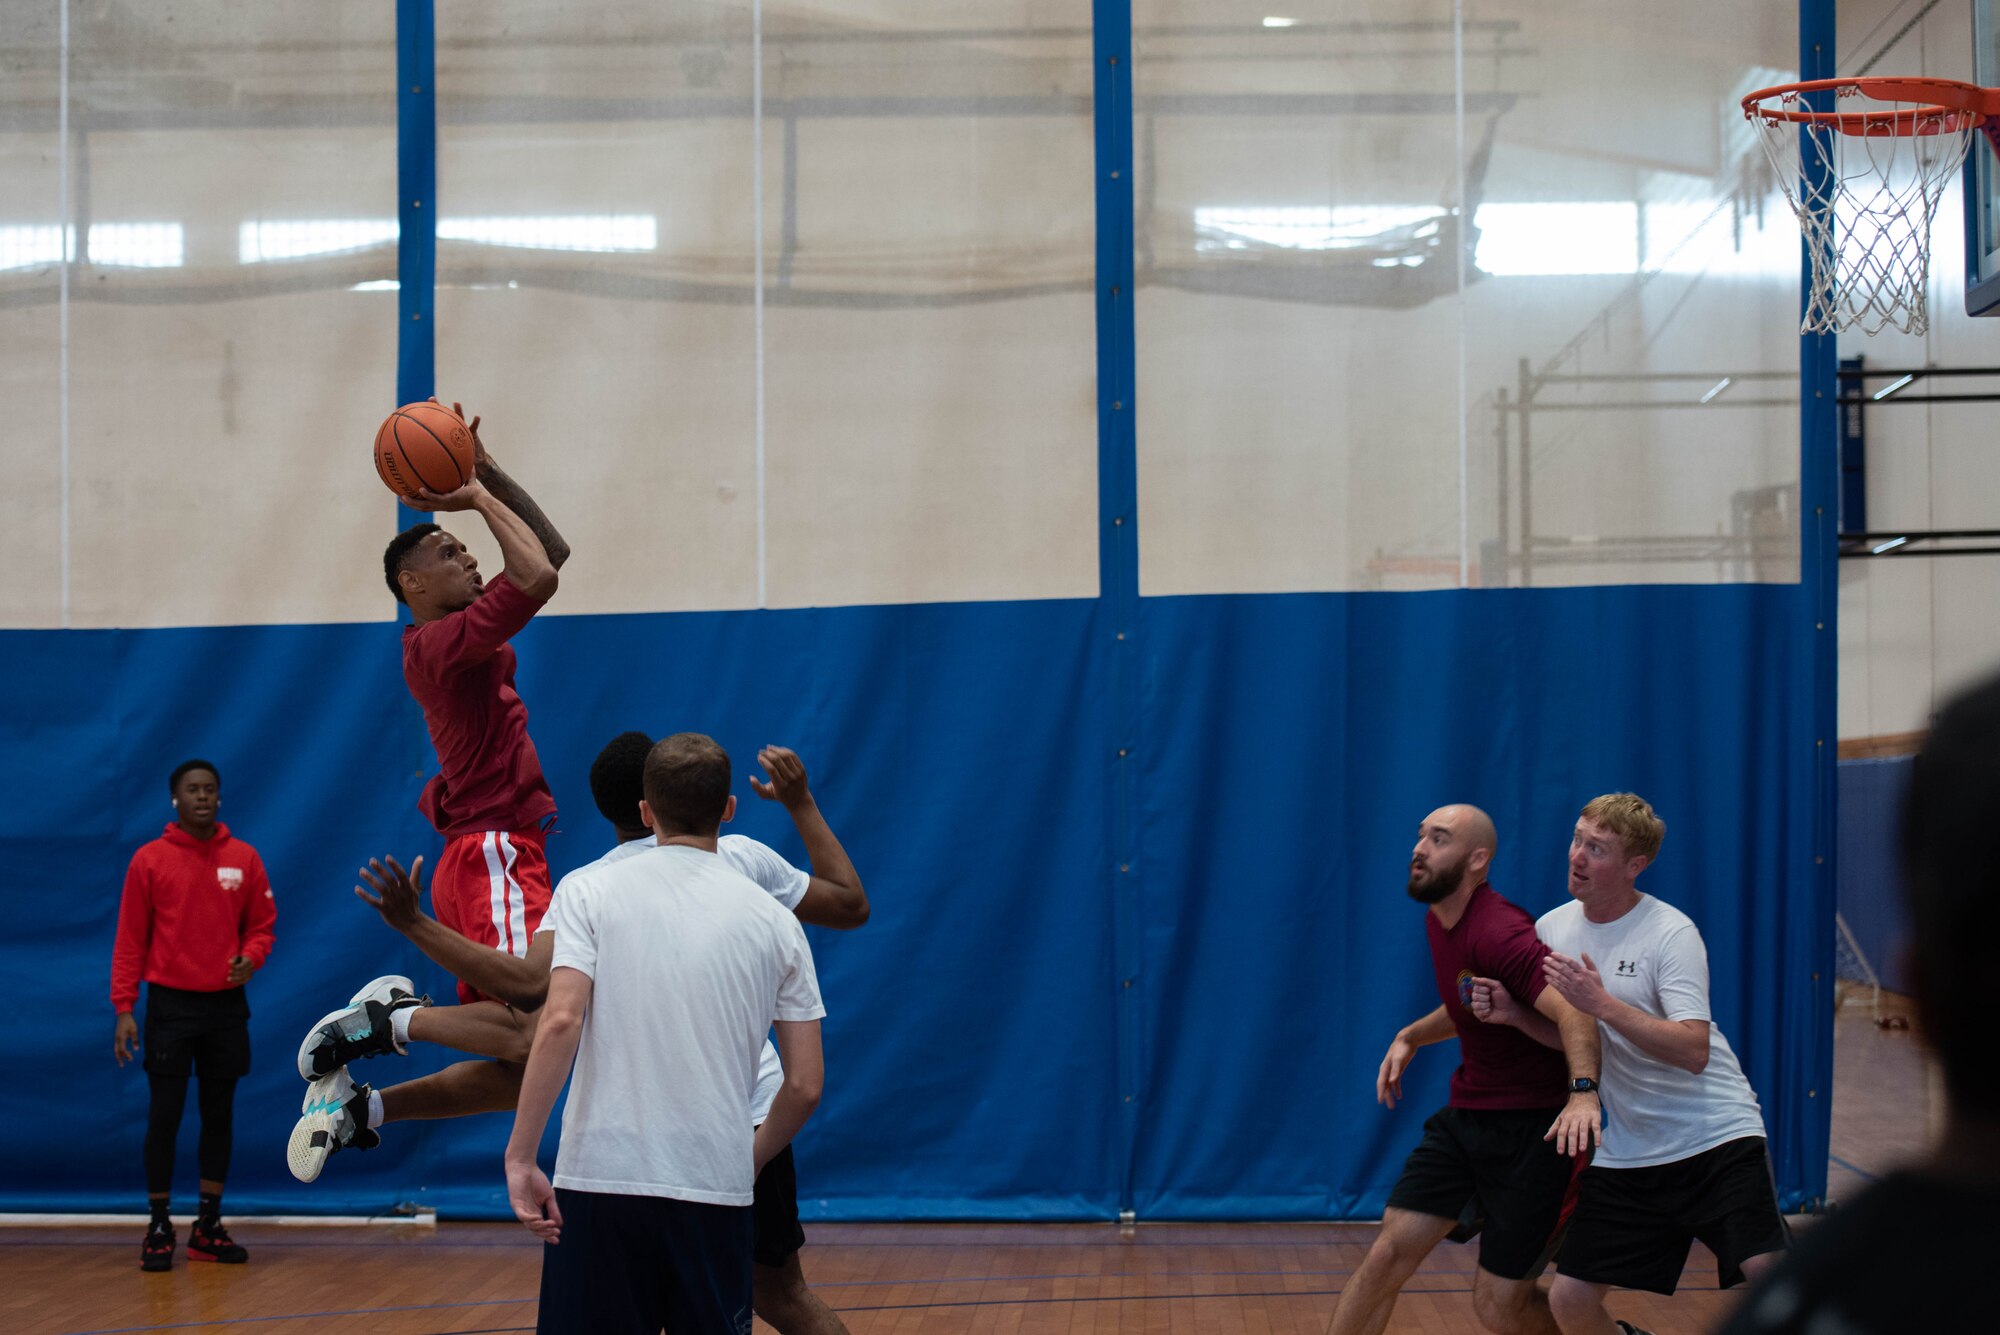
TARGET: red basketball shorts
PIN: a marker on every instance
(492, 888)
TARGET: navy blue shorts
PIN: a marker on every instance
(638, 1265)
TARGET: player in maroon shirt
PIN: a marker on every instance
(1499, 1159)
(489, 801)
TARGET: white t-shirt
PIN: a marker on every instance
(772, 874)
(690, 963)
(1653, 959)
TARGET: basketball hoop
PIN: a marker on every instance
(1865, 185)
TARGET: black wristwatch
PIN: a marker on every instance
(1583, 1084)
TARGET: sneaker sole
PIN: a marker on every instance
(327, 1093)
(194, 1255)
(311, 1143)
(376, 991)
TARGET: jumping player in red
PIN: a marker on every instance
(489, 799)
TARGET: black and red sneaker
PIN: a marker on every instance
(208, 1240)
(157, 1252)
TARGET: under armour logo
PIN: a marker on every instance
(1628, 968)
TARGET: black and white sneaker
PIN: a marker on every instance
(334, 1117)
(1627, 1328)
(361, 1028)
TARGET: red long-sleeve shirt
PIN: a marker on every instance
(189, 905)
(460, 668)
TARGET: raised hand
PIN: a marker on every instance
(481, 463)
(788, 777)
(461, 498)
(398, 894)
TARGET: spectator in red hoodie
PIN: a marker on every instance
(194, 923)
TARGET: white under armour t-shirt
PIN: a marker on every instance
(1653, 959)
(690, 964)
(776, 877)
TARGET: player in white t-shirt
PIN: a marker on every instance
(1684, 1155)
(831, 895)
(669, 969)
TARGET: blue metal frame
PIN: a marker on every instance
(416, 207)
(1853, 449)
(1819, 577)
(1982, 295)
(1118, 527)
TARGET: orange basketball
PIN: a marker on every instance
(423, 445)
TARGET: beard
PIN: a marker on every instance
(1436, 881)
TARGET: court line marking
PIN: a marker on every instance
(306, 1316)
(525, 1242)
(1022, 1302)
(1853, 1168)
(881, 1307)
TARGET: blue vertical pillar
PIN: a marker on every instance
(1819, 572)
(416, 206)
(1118, 538)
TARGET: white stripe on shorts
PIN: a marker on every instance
(503, 893)
(517, 904)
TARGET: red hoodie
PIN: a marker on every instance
(189, 905)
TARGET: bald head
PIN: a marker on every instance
(1473, 826)
(1455, 846)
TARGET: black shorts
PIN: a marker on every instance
(776, 1210)
(1633, 1226)
(196, 1033)
(636, 1265)
(1492, 1170)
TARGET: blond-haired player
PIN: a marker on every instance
(1684, 1155)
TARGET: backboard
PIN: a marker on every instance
(1982, 176)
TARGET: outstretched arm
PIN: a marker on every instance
(835, 897)
(522, 558)
(513, 495)
(520, 982)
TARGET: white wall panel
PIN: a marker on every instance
(1928, 625)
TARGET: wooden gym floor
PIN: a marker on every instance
(883, 1279)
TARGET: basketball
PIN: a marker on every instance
(423, 445)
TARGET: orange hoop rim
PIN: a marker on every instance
(1942, 106)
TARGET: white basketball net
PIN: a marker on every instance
(1865, 202)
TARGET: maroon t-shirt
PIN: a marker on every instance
(460, 668)
(1500, 1066)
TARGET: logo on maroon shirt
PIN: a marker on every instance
(229, 878)
(1465, 977)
